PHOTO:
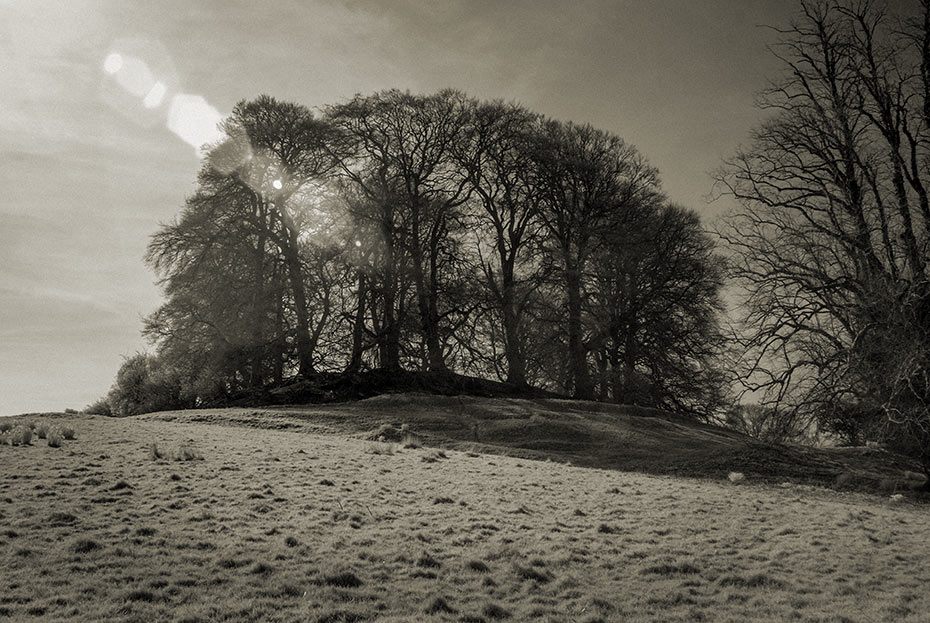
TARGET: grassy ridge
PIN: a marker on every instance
(587, 434)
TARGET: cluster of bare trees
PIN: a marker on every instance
(440, 233)
(832, 242)
(436, 233)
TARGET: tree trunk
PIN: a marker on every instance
(358, 327)
(295, 275)
(257, 351)
(577, 355)
(513, 346)
(389, 336)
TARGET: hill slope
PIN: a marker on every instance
(227, 523)
(587, 434)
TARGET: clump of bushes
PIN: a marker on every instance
(20, 435)
(145, 383)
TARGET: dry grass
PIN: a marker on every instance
(284, 525)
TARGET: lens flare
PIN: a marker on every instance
(358, 243)
(194, 120)
(155, 96)
(277, 184)
(113, 63)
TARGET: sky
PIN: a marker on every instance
(100, 101)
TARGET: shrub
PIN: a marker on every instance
(67, 432)
(42, 429)
(101, 407)
(144, 383)
(54, 437)
(21, 435)
(5, 427)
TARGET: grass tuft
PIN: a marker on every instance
(54, 437)
(85, 546)
(380, 447)
(410, 441)
(439, 605)
(685, 568)
(342, 616)
(493, 611)
(428, 561)
(61, 519)
(757, 580)
(261, 568)
(187, 453)
(140, 595)
(479, 566)
(343, 580)
(528, 573)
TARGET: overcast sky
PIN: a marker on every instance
(87, 171)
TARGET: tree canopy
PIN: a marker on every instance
(434, 233)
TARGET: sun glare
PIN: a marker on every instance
(277, 184)
(113, 63)
(194, 120)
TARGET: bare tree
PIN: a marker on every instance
(496, 159)
(587, 178)
(400, 146)
(830, 243)
(654, 302)
(280, 153)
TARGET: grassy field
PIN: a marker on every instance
(289, 515)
